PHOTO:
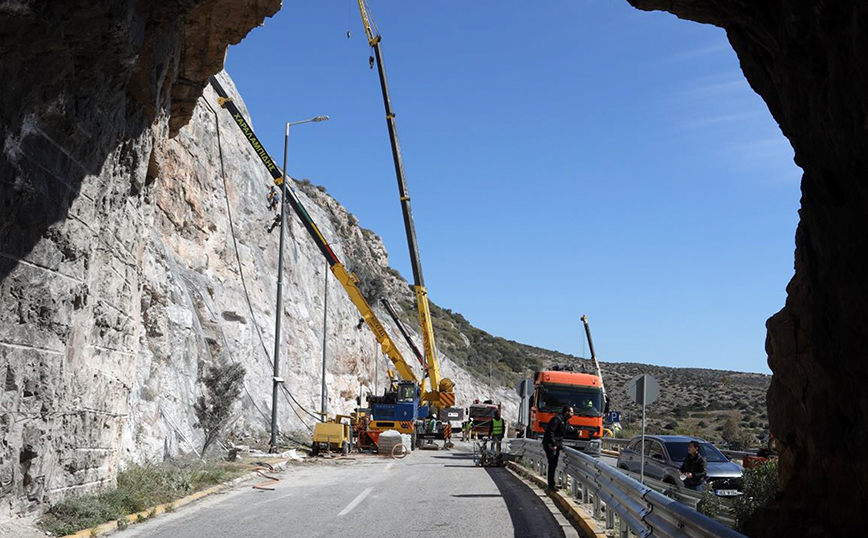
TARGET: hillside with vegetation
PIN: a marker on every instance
(725, 407)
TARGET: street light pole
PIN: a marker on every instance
(325, 317)
(276, 379)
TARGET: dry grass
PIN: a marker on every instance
(139, 488)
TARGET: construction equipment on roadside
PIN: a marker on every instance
(482, 413)
(348, 280)
(332, 435)
(484, 455)
(558, 387)
(441, 393)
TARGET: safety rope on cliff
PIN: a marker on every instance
(286, 391)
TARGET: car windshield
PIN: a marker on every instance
(482, 412)
(584, 401)
(678, 451)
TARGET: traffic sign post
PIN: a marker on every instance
(524, 389)
(643, 389)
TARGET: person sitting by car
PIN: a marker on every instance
(694, 467)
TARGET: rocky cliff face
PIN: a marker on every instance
(89, 90)
(121, 274)
(806, 60)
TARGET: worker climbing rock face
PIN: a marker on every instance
(273, 198)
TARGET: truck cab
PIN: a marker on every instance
(583, 392)
(482, 415)
(397, 409)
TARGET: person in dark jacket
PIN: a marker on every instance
(694, 467)
(553, 441)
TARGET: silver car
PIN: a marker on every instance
(664, 455)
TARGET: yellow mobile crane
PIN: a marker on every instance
(347, 279)
(441, 395)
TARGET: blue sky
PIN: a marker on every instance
(573, 157)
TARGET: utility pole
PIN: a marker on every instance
(490, 386)
(325, 317)
(376, 367)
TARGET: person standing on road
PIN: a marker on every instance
(496, 428)
(553, 441)
(465, 431)
(694, 467)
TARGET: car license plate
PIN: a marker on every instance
(727, 492)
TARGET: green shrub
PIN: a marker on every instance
(761, 484)
(223, 385)
(710, 504)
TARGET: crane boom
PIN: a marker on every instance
(347, 279)
(438, 385)
(594, 361)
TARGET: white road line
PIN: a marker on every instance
(274, 499)
(390, 465)
(355, 502)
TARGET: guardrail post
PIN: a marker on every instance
(574, 489)
(597, 507)
(623, 529)
(610, 518)
(586, 496)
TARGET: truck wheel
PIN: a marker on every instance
(314, 449)
(345, 448)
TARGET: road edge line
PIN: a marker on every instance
(583, 522)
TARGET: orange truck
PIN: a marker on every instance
(552, 390)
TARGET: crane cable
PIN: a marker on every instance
(286, 391)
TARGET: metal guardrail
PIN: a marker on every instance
(639, 509)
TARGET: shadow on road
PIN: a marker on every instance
(530, 517)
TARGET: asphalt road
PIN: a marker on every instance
(428, 493)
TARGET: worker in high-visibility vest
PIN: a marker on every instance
(496, 429)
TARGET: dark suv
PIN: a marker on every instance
(665, 453)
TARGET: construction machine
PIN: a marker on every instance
(611, 419)
(327, 428)
(333, 434)
(482, 413)
(441, 393)
(585, 393)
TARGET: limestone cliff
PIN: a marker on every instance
(88, 91)
(120, 275)
(807, 61)
(184, 288)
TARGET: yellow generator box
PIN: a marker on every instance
(330, 432)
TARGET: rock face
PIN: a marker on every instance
(121, 274)
(807, 61)
(89, 89)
